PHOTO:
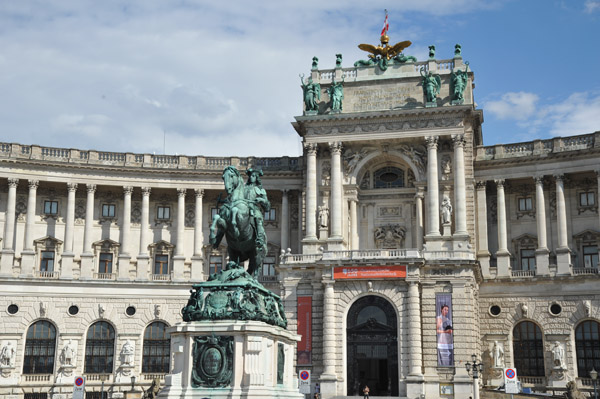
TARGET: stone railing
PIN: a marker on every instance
(585, 270)
(287, 259)
(105, 276)
(539, 148)
(45, 274)
(449, 255)
(38, 377)
(160, 277)
(523, 273)
(73, 156)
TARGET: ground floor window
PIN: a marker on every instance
(528, 348)
(587, 346)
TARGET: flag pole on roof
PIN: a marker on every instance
(386, 25)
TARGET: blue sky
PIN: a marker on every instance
(222, 78)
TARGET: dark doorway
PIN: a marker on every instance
(372, 347)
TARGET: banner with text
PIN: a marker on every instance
(305, 329)
(444, 329)
(364, 272)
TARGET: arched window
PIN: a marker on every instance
(40, 348)
(388, 177)
(528, 349)
(100, 348)
(157, 353)
(587, 345)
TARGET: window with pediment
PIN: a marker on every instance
(161, 252)
(48, 250)
(587, 243)
(106, 252)
(525, 246)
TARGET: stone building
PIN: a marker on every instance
(400, 244)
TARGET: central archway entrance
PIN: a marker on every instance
(371, 332)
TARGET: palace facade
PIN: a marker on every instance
(400, 244)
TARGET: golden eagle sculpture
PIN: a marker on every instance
(384, 55)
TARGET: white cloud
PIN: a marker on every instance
(577, 114)
(519, 106)
(590, 6)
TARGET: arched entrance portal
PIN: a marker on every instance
(371, 333)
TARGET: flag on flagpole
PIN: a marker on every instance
(386, 26)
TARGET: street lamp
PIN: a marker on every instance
(132, 383)
(103, 378)
(474, 369)
(594, 375)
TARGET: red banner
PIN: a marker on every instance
(305, 329)
(359, 272)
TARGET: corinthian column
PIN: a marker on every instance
(198, 237)
(180, 221)
(483, 253)
(8, 253)
(329, 340)
(414, 329)
(419, 218)
(285, 220)
(502, 255)
(433, 194)
(30, 221)
(563, 253)
(70, 222)
(87, 258)
(126, 226)
(336, 190)
(145, 221)
(541, 254)
(460, 193)
(311, 191)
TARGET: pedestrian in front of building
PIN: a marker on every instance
(366, 391)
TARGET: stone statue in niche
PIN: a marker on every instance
(446, 167)
(323, 217)
(127, 352)
(446, 209)
(558, 356)
(497, 354)
(68, 354)
(7, 354)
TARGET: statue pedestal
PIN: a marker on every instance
(231, 359)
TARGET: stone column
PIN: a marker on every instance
(125, 254)
(179, 258)
(336, 191)
(414, 329)
(87, 257)
(9, 223)
(370, 225)
(541, 254)
(30, 220)
(598, 195)
(311, 192)
(28, 254)
(433, 194)
(563, 253)
(460, 191)
(483, 253)
(143, 260)
(197, 263)
(354, 244)
(419, 196)
(502, 255)
(285, 220)
(66, 269)
(328, 379)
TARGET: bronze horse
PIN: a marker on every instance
(236, 223)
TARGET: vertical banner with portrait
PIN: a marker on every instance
(444, 329)
(305, 329)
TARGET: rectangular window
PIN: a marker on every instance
(108, 210)
(47, 263)
(525, 204)
(271, 215)
(106, 261)
(527, 259)
(161, 264)
(163, 212)
(215, 264)
(587, 199)
(50, 207)
(590, 256)
(268, 266)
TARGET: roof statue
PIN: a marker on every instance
(384, 54)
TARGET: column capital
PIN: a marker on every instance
(285, 192)
(559, 177)
(181, 192)
(146, 191)
(335, 147)
(539, 179)
(480, 184)
(12, 182)
(499, 183)
(127, 190)
(432, 141)
(458, 140)
(199, 192)
(33, 184)
(72, 187)
(311, 148)
(91, 188)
